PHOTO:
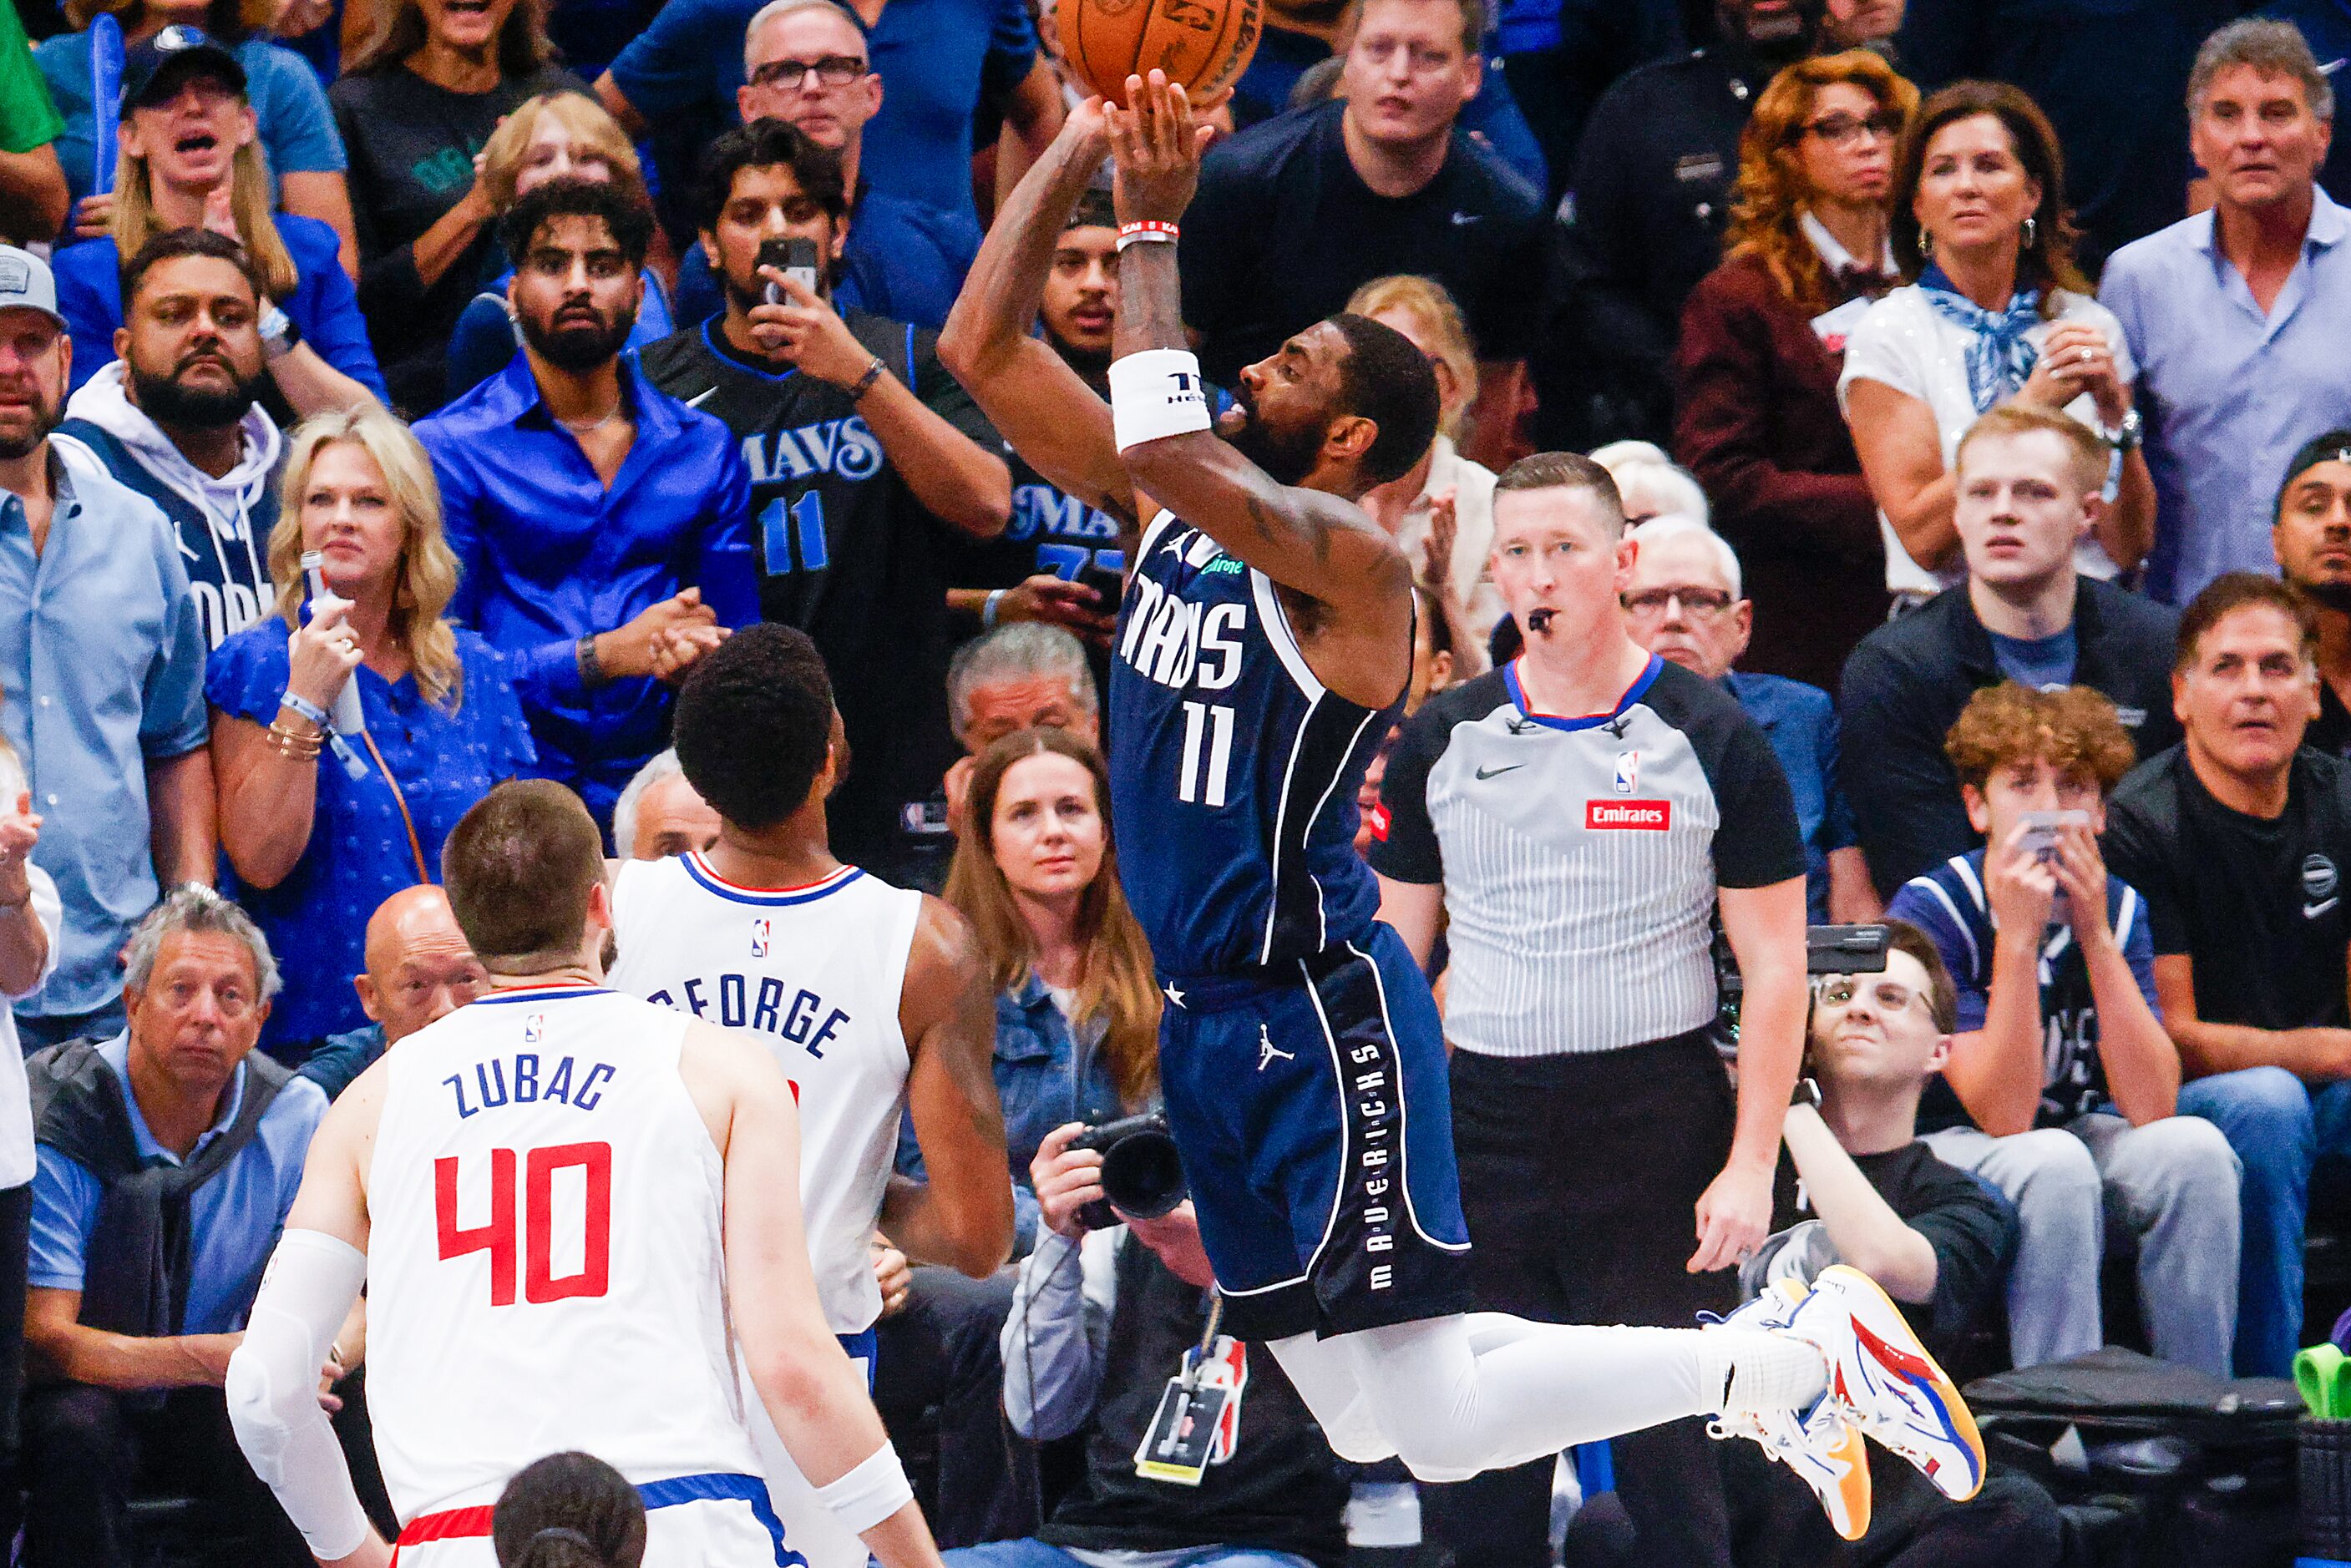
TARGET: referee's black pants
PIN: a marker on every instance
(1579, 1177)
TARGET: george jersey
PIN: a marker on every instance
(817, 973)
(1233, 769)
(545, 1266)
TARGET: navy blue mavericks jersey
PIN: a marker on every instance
(1233, 772)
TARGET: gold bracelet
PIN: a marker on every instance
(292, 745)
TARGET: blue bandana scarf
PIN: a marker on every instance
(1999, 357)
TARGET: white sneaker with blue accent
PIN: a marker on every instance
(1820, 1445)
(1886, 1383)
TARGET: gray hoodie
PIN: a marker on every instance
(221, 523)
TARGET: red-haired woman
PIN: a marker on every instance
(1756, 414)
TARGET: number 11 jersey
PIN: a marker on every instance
(1233, 769)
(545, 1267)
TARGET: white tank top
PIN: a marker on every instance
(817, 973)
(545, 1264)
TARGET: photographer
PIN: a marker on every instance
(1099, 1325)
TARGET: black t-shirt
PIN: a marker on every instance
(2331, 731)
(1052, 532)
(847, 554)
(1283, 230)
(1972, 1232)
(411, 147)
(2256, 904)
(1279, 1489)
(1581, 857)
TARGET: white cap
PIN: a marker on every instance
(25, 280)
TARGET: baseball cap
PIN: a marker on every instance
(152, 70)
(25, 283)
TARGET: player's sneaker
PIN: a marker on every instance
(1886, 1383)
(1819, 1444)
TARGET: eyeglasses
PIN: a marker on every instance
(1699, 604)
(832, 71)
(1891, 996)
(1844, 130)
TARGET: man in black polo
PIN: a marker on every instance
(1294, 214)
(1645, 215)
(864, 453)
(1581, 861)
(2029, 488)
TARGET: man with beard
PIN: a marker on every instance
(102, 673)
(1059, 560)
(598, 524)
(864, 454)
(176, 416)
(2311, 537)
(1645, 215)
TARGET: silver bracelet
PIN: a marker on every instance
(987, 611)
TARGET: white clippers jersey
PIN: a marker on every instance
(815, 972)
(544, 1269)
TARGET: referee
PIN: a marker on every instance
(1579, 814)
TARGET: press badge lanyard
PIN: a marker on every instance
(1175, 1448)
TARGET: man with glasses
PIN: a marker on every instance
(2029, 485)
(805, 62)
(2061, 1085)
(1582, 815)
(1684, 605)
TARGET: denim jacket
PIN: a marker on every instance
(1044, 1076)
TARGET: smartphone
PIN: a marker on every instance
(1107, 580)
(796, 258)
(2040, 828)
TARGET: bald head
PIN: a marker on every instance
(419, 967)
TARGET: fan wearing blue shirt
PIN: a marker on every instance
(2062, 1085)
(599, 524)
(806, 62)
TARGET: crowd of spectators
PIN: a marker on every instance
(393, 403)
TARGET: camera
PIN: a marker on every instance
(1140, 1173)
(1828, 950)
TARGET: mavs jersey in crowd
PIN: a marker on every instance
(846, 553)
(546, 1272)
(1299, 1052)
(1233, 769)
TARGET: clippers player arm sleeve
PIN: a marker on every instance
(273, 1388)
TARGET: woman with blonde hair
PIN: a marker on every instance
(415, 107)
(318, 828)
(1442, 510)
(1762, 340)
(555, 136)
(1076, 1007)
(191, 158)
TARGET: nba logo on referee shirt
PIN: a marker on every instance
(1628, 772)
(759, 933)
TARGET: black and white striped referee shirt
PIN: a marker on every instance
(1580, 857)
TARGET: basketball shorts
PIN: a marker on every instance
(691, 1522)
(1310, 1107)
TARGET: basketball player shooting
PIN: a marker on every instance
(559, 1197)
(1264, 643)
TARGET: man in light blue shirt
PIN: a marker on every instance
(2238, 317)
(101, 672)
(168, 1158)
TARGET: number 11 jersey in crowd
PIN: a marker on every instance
(545, 1267)
(1233, 769)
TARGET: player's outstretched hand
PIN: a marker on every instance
(1156, 146)
(1065, 1180)
(1734, 1215)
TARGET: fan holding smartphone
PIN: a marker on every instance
(864, 455)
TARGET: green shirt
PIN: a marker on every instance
(27, 118)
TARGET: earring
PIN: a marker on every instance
(2031, 232)
(1925, 245)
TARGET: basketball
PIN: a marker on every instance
(1204, 45)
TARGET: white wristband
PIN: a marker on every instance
(869, 1494)
(1156, 394)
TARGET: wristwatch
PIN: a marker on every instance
(1807, 1093)
(279, 335)
(2124, 437)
